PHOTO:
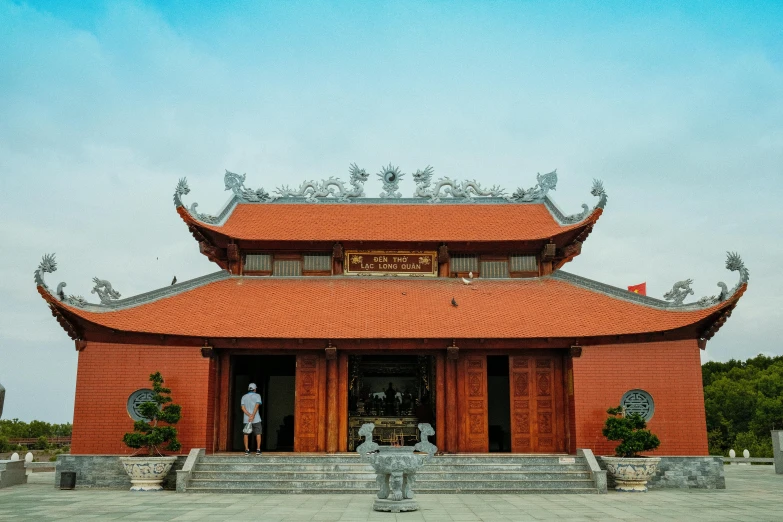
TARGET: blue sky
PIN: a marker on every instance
(104, 105)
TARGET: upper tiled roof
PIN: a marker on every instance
(474, 222)
(345, 307)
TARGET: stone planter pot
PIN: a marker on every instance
(631, 474)
(147, 473)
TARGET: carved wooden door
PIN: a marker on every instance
(473, 403)
(536, 404)
(307, 419)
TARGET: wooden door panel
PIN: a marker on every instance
(306, 419)
(476, 436)
(521, 435)
(534, 404)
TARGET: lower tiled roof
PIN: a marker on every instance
(347, 307)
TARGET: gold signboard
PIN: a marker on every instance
(371, 262)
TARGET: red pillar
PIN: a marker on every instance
(332, 392)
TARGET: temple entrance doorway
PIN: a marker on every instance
(499, 403)
(395, 392)
(275, 377)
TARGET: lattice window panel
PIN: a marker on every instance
(523, 264)
(258, 263)
(638, 401)
(287, 267)
(317, 263)
(494, 269)
(464, 263)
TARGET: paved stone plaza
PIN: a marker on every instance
(753, 493)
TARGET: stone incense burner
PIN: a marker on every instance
(396, 467)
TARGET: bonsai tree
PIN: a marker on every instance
(147, 433)
(631, 431)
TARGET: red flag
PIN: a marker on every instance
(641, 288)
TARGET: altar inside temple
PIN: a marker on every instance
(393, 392)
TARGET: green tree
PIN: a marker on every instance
(147, 433)
(743, 401)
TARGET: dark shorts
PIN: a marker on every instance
(257, 428)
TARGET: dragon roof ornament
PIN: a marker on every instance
(48, 265)
(682, 289)
(183, 189)
(335, 190)
(312, 191)
(466, 190)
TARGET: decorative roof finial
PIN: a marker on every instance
(598, 190)
(390, 176)
(466, 190)
(47, 265)
(236, 184)
(105, 292)
(679, 292)
(546, 182)
(735, 264)
(313, 191)
(183, 189)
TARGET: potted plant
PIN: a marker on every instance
(148, 471)
(630, 470)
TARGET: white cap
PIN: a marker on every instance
(252, 386)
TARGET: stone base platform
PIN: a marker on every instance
(395, 506)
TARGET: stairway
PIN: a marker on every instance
(345, 473)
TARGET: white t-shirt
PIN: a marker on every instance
(249, 401)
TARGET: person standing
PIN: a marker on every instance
(251, 402)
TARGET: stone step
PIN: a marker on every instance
(261, 465)
(497, 458)
(346, 473)
(350, 486)
(305, 491)
(421, 477)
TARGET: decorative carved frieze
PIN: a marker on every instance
(332, 187)
(337, 251)
(444, 187)
(232, 252)
(443, 254)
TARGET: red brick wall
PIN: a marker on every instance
(108, 373)
(669, 371)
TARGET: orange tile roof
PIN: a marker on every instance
(390, 222)
(345, 307)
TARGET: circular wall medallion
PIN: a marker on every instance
(136, 399)
(638, 401)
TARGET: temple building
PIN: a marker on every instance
(452, 306)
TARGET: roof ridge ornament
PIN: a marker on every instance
(105, 292)
(545, 183)
(735, 264)
(466, 190)
(312, 191)
(183, 189)
(236, 184)
(682, 289)
(48, 265)
(390, 176)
